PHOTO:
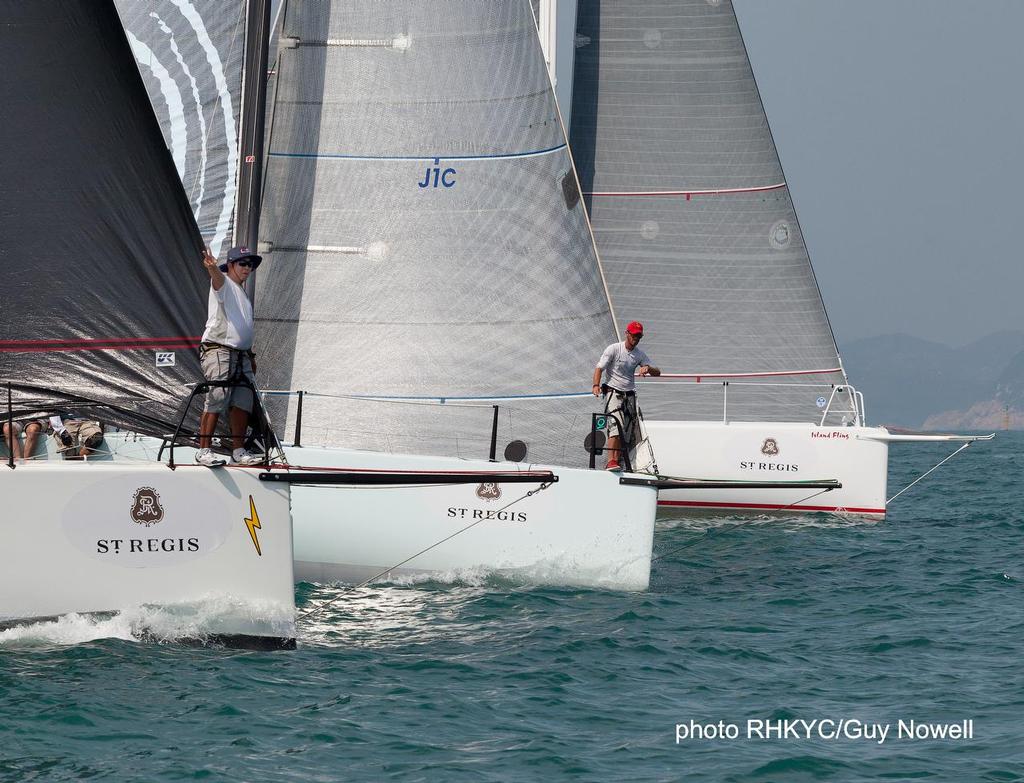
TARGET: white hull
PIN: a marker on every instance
(736, 450)
(586, 529)
(74, 543)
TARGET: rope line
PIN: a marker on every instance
(365, 582)
(933, 468)
(705, 532)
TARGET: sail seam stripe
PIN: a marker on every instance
(441, 398)
(99, 340)
(162, 346)
(569, 319)
(339, 156)
(716, 192)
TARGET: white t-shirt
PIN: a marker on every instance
(621, 364)
(229, 316)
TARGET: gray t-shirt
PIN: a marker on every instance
(620, 365)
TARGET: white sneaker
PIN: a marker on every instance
(243, 457)
(209, 459)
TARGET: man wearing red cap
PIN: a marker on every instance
(620, 361)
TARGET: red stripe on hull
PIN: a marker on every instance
(770, 506)
(481, 473)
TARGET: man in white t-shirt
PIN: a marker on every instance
(620, 361)
(226, 352)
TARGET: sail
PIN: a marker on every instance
(693, 220)
(422, 230)
(190, 54)
(104, 295)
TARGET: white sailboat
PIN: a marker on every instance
(92, 214)
(699, 240)
(343, 207)
(421, 226)
(433, 289)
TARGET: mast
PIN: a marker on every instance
(254, 103)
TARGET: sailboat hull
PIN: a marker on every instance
(760, 451)
(98, 537)
(584, 530)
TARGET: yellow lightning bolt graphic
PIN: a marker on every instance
(253, 523)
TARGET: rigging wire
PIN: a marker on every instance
(704, 533)
(933, 468)
(347, 590)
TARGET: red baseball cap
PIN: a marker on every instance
(635, 327)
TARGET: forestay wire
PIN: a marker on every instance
(378, 575)
(933, 468)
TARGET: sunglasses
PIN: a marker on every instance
(246, 263)
(635, 336)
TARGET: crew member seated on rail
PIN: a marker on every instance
(31, 429)
(76, 435)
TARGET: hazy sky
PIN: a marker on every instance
(900, 124)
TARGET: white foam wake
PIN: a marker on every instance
(193, 621)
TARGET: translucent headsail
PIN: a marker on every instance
(692, 217)
(422, 229)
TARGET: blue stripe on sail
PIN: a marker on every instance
(467, 399)
(552, 396)
(339, 156)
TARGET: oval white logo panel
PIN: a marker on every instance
(150, 523)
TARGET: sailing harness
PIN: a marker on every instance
(207, 345)
(620, 406)
(262, 429)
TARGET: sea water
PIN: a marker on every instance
(792, 649)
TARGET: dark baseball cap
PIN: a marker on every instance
(237, 254)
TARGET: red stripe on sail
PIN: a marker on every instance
(98, 344)
(686, 193)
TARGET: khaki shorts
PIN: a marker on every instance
(21, 426)
(620, 408)
(219, 364)
(85, 433)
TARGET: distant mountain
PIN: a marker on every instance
(912, 382)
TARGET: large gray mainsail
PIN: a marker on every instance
(190, 56)
(692, 217)
(423, 232)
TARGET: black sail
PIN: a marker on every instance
(103, 294)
